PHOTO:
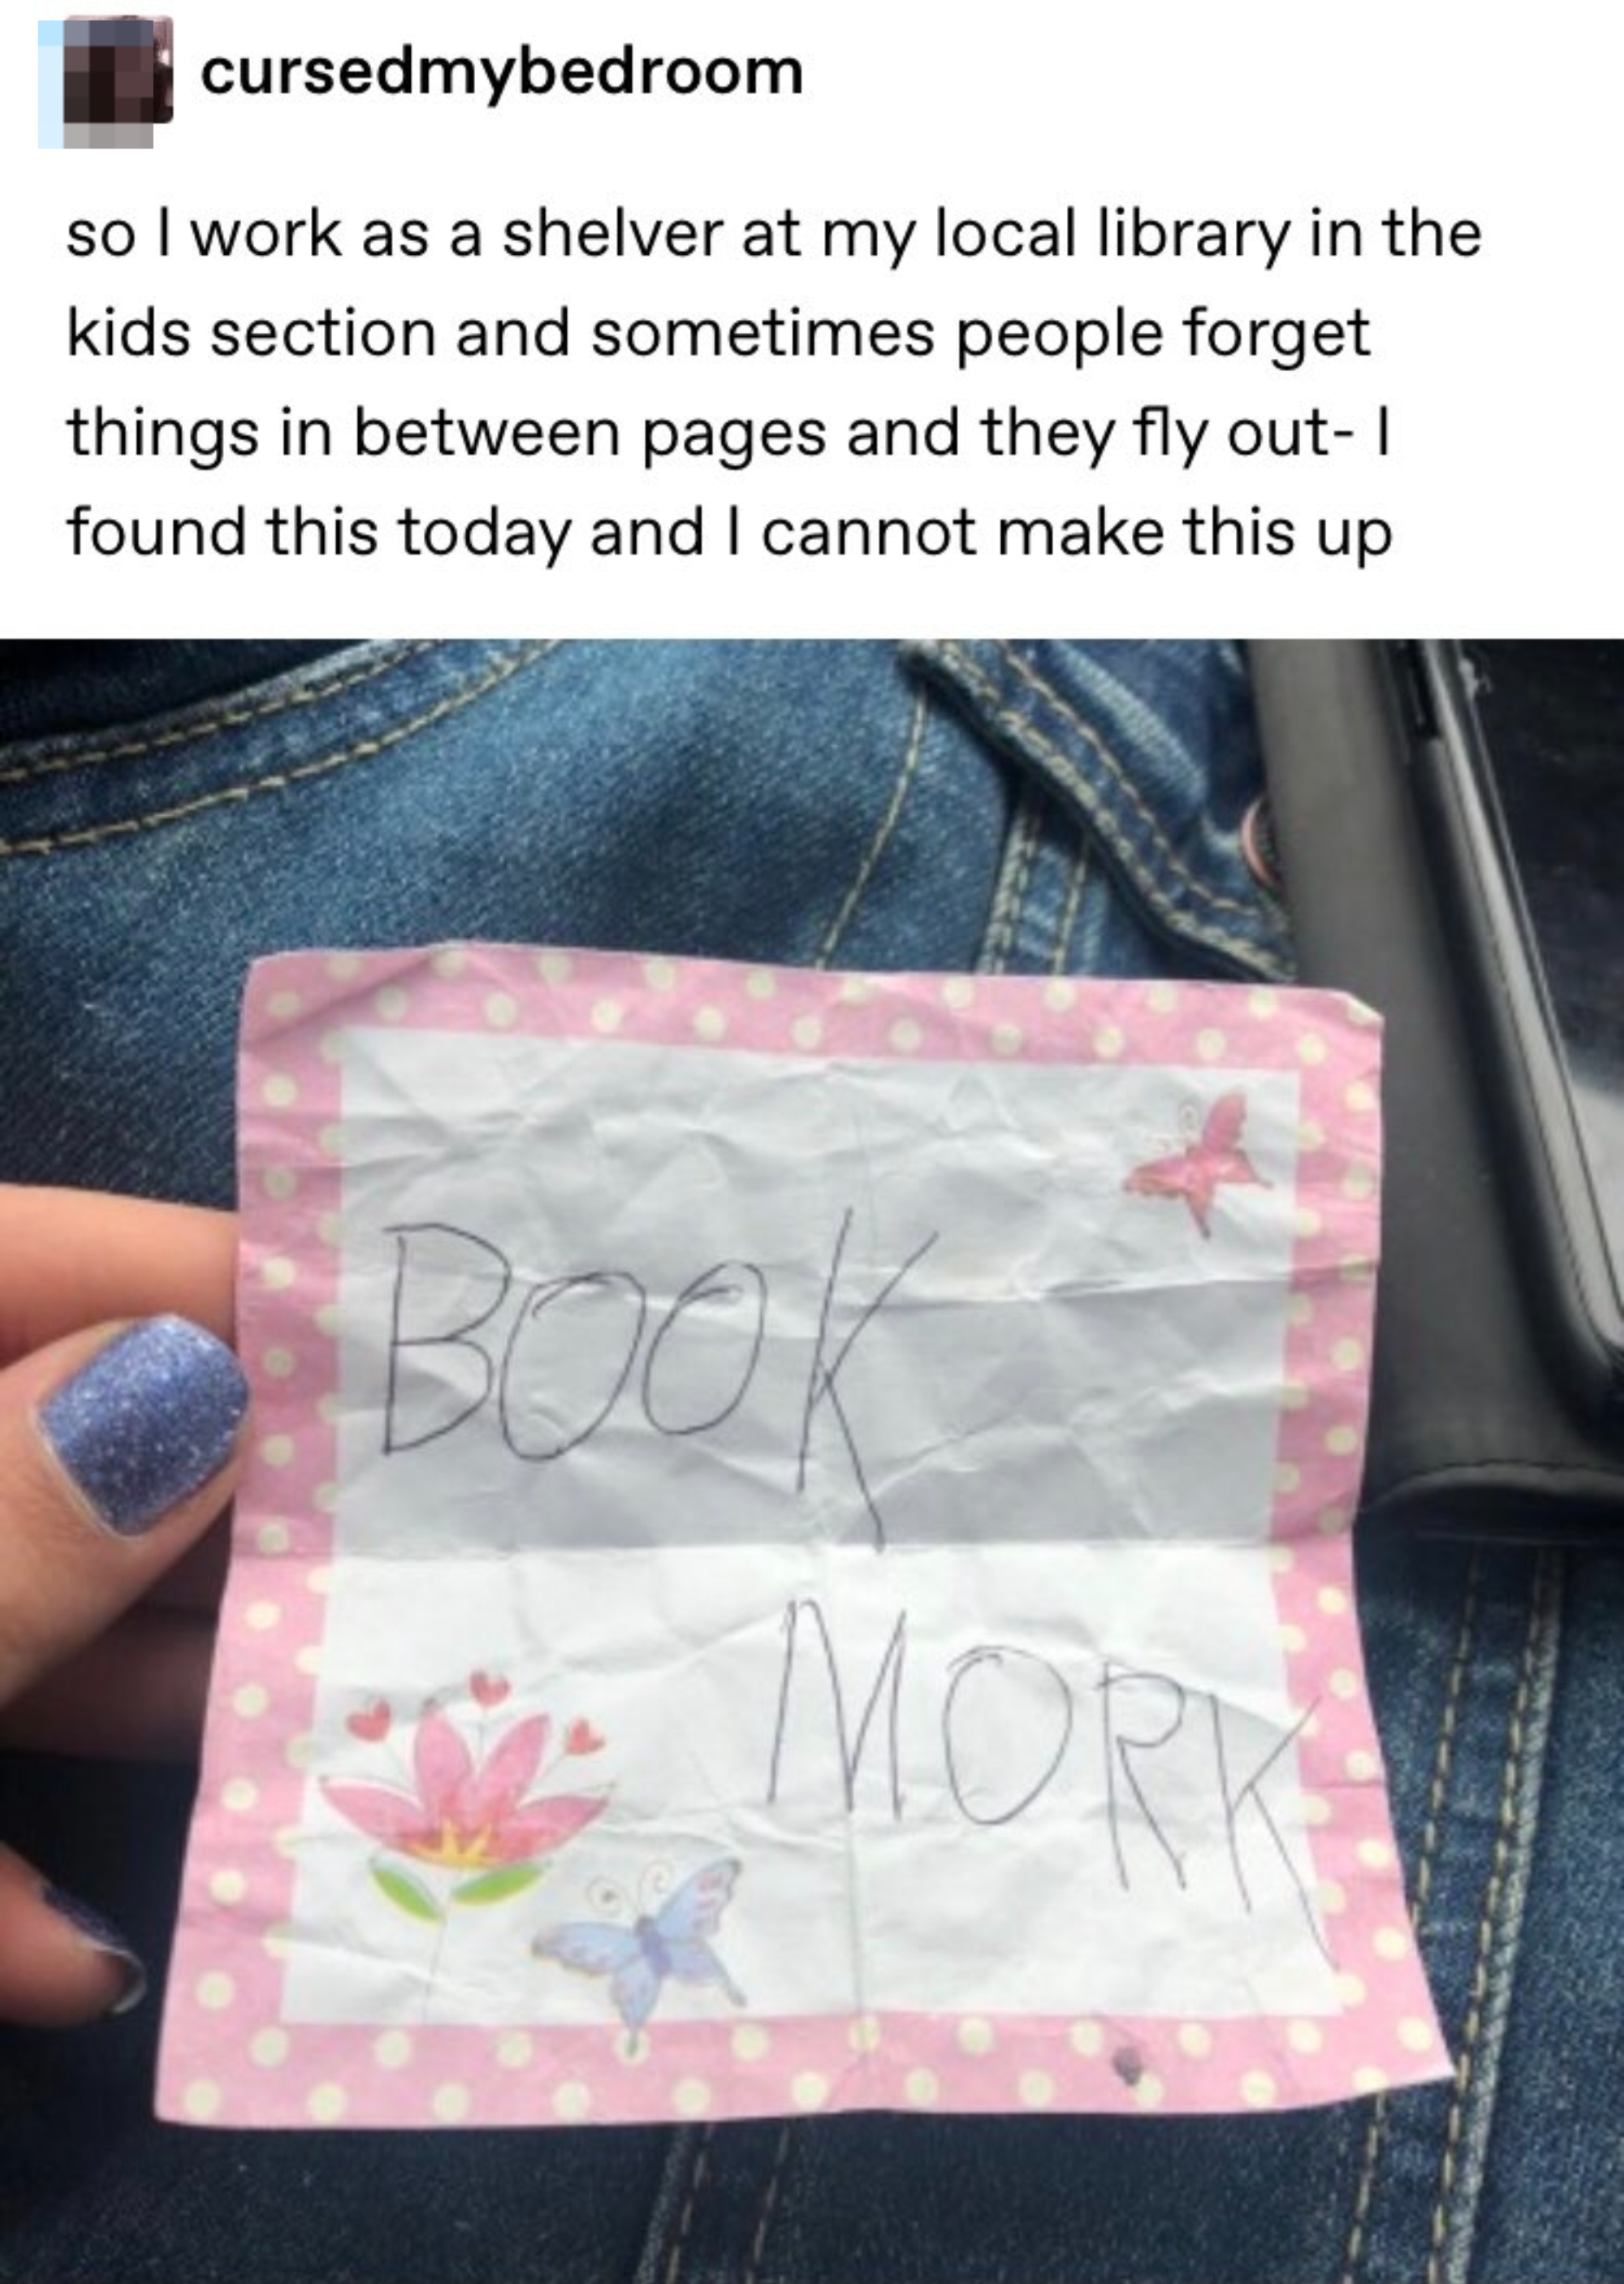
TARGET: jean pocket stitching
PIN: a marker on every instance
(906, 773)
(1437, 1793)
(1499, 1925)
(280, 780)
(1130, 792)
(1066, 931)
(1256, 956)
(769, 2203)
(233, 717)
(670, 2269)
(1013, 879)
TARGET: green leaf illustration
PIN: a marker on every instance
(406, 1894)
(496, 1887)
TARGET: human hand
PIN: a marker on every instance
(121, 1424)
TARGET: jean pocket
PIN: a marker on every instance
(799, 801)
(69, 793)
(1142, 761)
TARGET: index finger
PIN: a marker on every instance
(73, 1258)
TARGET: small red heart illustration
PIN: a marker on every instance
(372, 1725)
(488, 1689)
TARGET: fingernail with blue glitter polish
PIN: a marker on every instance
(99, 1931)
(147, 1421)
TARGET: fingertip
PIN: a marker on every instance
(63, 1963)
(117, 1449)
(154, 1418)
(106, 1959)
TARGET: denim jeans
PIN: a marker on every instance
(1031, 807)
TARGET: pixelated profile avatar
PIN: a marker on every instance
(118, 80)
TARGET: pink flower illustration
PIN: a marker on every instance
(468, 1816)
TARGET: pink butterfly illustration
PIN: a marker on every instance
(1196, 1172)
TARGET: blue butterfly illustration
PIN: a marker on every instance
(672, 1941)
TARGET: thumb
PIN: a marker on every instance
(117, 1447)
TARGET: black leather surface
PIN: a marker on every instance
(1469, 1429)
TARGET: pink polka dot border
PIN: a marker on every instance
(228, 2056)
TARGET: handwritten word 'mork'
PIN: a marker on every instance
(1158, 1767)
(548, 1361)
